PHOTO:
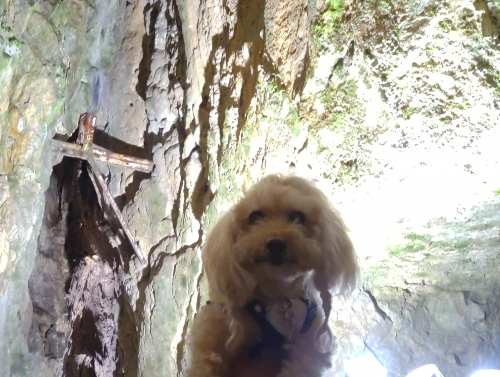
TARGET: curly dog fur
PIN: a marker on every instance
(283, 241)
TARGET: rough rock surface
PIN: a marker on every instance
(391, 106)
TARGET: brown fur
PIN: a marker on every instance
(319, 258)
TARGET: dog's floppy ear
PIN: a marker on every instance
(339, 270)
(339, 267)
(229, 283)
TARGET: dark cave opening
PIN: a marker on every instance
(75, 287)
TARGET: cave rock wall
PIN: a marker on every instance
(353, 94)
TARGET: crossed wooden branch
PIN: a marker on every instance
(85, 149)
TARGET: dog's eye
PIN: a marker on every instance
(297, 217)
(255, 216)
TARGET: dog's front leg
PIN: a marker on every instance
(207, 340)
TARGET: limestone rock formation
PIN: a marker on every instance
(391, 106)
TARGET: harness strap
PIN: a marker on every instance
(271, 337)
(312, 312)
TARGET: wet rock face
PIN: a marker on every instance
(62, 266)
(47, 284)
(369, 98)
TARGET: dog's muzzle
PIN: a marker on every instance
(276, 248)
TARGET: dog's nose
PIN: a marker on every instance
(276, 248)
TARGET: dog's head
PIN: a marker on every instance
(283, 228)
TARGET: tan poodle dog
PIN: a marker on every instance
(271, 263)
